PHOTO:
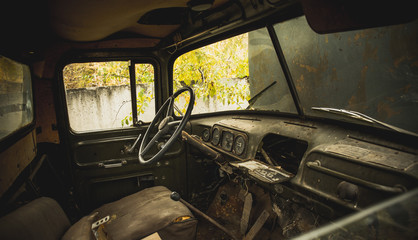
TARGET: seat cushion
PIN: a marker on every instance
(139, 215)
(43, 218)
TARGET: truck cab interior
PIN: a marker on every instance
(209, 119)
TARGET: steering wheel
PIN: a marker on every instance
(165, 127)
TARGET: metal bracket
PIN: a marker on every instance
(97, 228)
(257, 225)
(248, 202)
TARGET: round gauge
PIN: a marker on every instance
(206, 135)
(239, 145)
(227, 140)
(216, 136)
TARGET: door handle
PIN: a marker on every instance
(112, 165)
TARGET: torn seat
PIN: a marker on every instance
(150, 212)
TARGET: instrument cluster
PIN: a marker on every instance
(226, 139)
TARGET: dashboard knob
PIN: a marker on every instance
(348, 192)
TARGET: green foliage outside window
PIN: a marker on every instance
(213, 71)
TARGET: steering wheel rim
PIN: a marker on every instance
(165, 126)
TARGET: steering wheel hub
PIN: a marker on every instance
(165, 122)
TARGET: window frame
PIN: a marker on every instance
(85, 58)
(23, 131)
(193, 45)
(135, 121)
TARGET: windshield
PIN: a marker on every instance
(367, 76)
(372, 71)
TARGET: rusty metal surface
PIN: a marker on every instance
(227, 209)
(209, 219)
(371, 71)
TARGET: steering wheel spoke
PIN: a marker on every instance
(170, 108)
(152, 142)
(174, 123)
(167, 126)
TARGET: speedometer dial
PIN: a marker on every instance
(206, 135)
(216, 136)
(239, 145)
(227, 140)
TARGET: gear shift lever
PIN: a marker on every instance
(176, 197)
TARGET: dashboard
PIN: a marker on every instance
(314, 157)
(226, 139)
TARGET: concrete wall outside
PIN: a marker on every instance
(101, 108)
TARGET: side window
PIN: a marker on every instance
(16, 101)
(145, 101)
(98, 94)
(218, 74)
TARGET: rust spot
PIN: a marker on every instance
(398, 61)
(364, 72)
(369, 52)
(309, 68)
(357, 37)
(300, 83)
(414, 64)
(357, 101)
(334, 76)
(385, 111)
(322, 68)
(390, 99)
(405, 89)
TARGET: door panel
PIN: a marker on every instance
(104, 172)
(100, 115)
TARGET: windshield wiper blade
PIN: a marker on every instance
(255, 98)
(363, 117)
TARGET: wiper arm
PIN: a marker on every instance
(257, 96)
(363, 117)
